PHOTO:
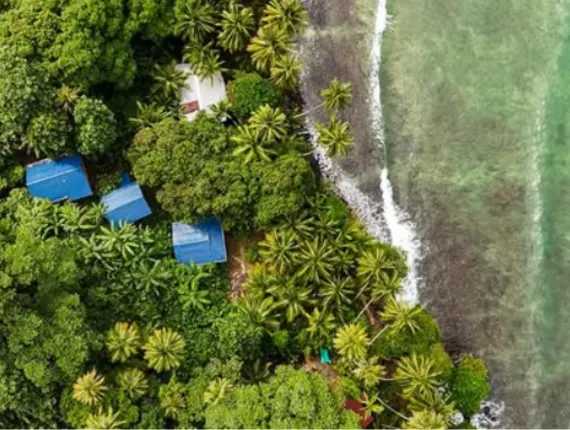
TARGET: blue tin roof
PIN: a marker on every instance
(201, 243)
(126, 204)
(58, 179)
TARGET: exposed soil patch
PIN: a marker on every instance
(238, 267)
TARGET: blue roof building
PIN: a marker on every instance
(58, 179)
(201, 243)
(125, 204)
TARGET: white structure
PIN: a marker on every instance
(201, 93)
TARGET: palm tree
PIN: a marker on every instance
(195, 20)
(259, 281)
(250, 145)
(217, 390)
(269, 123)
(401, 316)
(104, 420)
(426, 419)
(171, 398)
(238, 24)
(351, 342)
(291, 297)
(372, 404)
(389, 286)
(316, 261)
(279, 249)
(320, 325)
(285, 71)
(417, 374)
(267, 46)
(123, 341)
(164, 350)
(336, 137)
(261, 311)
(133, 382)
(369, 371)
(290, 15)
(190, 294)
(148, 115)
(168, 81)
(222, 110)
(67, 97)
(372, 265)
(89, 388)
(433, 400)
(337, 294)
(205, 60)
(337, 96)
(301, 224)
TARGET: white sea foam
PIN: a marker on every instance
(401, 229)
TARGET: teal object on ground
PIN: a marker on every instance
(325, 356)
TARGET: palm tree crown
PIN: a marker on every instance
(418, 375)
(369, 371)
(426, 419)
(290, 15)
(336, 137)
(351, 341)
(217, 390)
(291, 297)
(337, 96)
(279, 249)
(269, 123)
(285, 71)
(89, 388)
(133, 382)
(164, 350)
(268, 45)
(237, 25)
(401, 316)
(250, 145)
(104, 420)
(168, 81)
(149, 114)
(195, 20)
(123, 341)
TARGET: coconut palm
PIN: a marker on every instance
(67, 97)
(164, 350)
(123, 341)
(337, 96)
(133, 382)
(269, 123)
(261, 310)
(425, 419)
(291, 297)
(433, 400)
(320, 324)
(389, 286)
(259, 281)
(279, 249)
(369, 371)
(401, 316)
(372, 404)
(205, 61)
(417, 374)
(195, 20)
(104, 420)
(336, 137)
(316, 261)
(238, 24)
(171, 398)
(250, 145)
(337, 294)
(222, 110)
(217, 390)
(268, 45)
(372, 265)
(351, 341)
(301, 224)
(89, 388)
(284, 71)
(168, 81)
(190, 294)
(149, 114)
(290, 15)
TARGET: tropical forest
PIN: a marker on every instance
(172, 255)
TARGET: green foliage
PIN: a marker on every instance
(95, 126)
(469, 385)
(107, 182)
(123, 341)
(164, 350)
(47, 134)
(248, 92)
(89, 388)
(351, 342)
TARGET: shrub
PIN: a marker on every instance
(107, 182)
(469, 385)
(250, 91)
(393, 344)
(442, 361)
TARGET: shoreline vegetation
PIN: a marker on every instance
(102, 328)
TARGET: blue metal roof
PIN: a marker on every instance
(201, 243)
(126, 203)
(58, 179)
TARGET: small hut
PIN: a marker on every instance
(125, 204)
(199, 93)
(200, 243)
(63, 178)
